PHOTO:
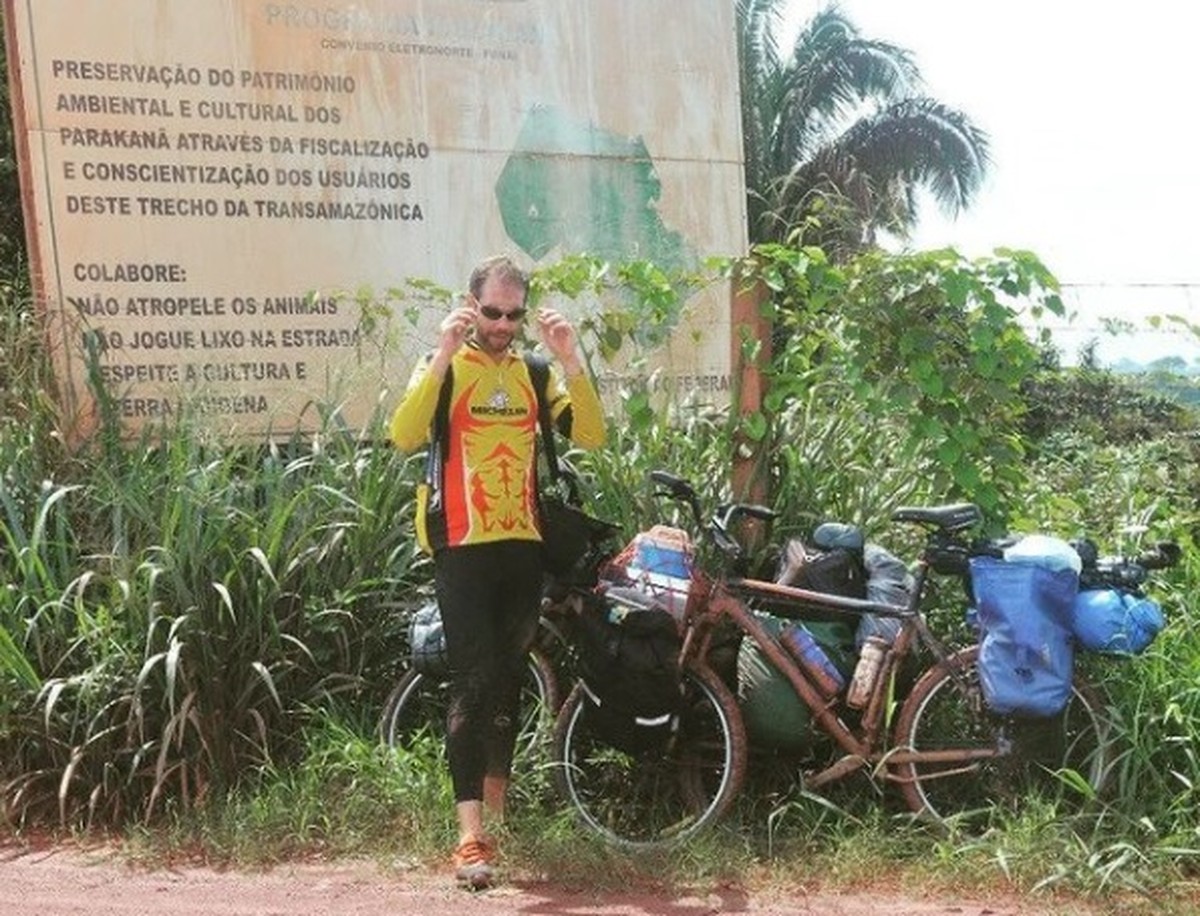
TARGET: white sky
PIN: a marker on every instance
(1091, 113)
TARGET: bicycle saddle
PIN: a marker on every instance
(953, 517)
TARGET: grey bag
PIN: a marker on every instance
(888, 582)
(427, 641)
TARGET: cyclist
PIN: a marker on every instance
(472, 400)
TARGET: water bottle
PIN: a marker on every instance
(862, 683)
(812, 658)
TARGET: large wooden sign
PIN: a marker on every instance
(202, 180)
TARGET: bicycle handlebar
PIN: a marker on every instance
(724, 517)
(1127, 572)
(1162, 555)
(680, 490)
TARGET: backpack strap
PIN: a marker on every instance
(441, 413)
(439, 440)
(539, 375)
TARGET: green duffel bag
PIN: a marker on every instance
(774, 715)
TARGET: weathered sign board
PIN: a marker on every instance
(203, 180)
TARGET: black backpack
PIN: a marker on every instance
(627, 649)
(835, 570)
(830, 569)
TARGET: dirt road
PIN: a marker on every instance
(66, 882)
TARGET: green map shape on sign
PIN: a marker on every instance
(585, 190)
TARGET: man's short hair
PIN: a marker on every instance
(503, 268)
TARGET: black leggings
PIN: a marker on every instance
(490, 598)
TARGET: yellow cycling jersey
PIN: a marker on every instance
(488, 486)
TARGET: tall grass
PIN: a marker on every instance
(173, 613)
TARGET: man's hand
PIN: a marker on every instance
(454, 331)
(559, 337)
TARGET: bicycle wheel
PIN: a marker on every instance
(415, 712)
(664, 793)
(1039, 757)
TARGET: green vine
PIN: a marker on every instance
(930, 337)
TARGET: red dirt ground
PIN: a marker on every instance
(64, 881)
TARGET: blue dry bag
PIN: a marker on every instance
(1026, 652)
(1115, 622)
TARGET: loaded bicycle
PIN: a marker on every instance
(950, 756)
(415, 709)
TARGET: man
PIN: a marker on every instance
(485, 538)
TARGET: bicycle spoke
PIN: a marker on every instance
(666, 789)
(945, 713)
(414, 717)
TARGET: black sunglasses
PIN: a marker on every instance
(491, 313)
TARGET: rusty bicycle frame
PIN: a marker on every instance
(714, 598)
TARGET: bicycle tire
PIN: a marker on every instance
(414, 714)
(662, 795)
(945, 710)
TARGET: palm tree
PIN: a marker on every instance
(839, 138)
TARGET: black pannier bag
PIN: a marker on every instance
(830, 562)
(628, 651)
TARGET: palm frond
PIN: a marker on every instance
(840, 123)
(920, 141)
